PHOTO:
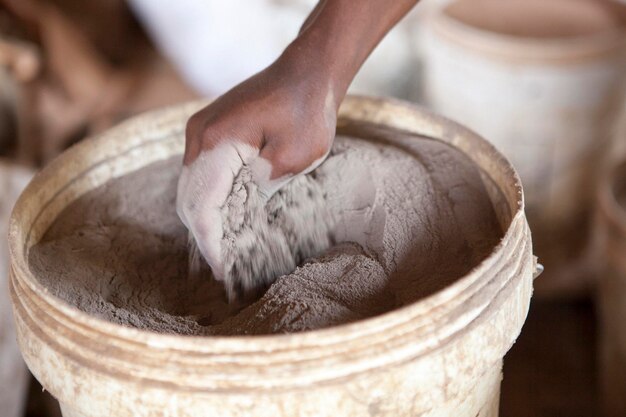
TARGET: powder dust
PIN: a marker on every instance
(264, 241)
(411, 216)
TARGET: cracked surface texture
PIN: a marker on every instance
(412, 216)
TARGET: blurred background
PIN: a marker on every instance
(541, 79)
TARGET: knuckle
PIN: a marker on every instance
(203, 135)
(194, 125)
(295, 159)
(284, 162)
(320, 148)
(296, 156)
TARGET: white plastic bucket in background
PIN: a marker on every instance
(540, 80)
(417, 24)
(440, 356)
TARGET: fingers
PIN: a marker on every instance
(203, 187)
(206, 131)
(279, 162)
(217, 149)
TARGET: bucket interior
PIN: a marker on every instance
(137, 230)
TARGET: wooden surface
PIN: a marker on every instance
(611, 293)
(551, 371)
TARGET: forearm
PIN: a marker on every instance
(339, 35)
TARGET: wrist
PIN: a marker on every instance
(302, 66)
(339, 35)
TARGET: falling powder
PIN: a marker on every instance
(264, 241)
(412, 215)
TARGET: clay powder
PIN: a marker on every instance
(411, 216)
(264, 241)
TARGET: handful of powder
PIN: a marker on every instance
(261, 241)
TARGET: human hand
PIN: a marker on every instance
(280, 123)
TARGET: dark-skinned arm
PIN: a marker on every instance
(280, 122)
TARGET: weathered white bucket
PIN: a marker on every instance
(611, 294)
(441, 356)
(538, 79)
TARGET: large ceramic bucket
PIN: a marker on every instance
(441, 356)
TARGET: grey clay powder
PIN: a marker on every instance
(410, 216)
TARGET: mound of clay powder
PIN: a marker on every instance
(411, 216)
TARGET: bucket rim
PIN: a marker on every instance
(537, 50)
(396, 113)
